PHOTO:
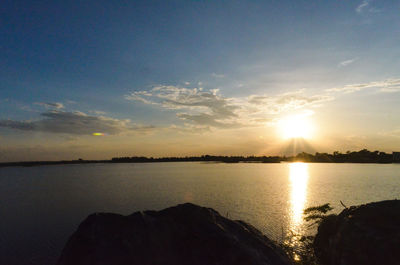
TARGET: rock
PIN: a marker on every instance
(184, 234)
(366, 234)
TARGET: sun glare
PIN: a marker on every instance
(296, 126)
(298, 176)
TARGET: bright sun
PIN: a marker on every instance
(296, 126)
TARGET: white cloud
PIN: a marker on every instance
(218, 75)
(361, 7)
(365, 6)
(287, 101)
(203, 109)
(77, 123)
(98, 112)
(210, 108)
(139, 97)
(388, 85)
(172, 97)
(347, 62)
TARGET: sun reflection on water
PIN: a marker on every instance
(298, 175)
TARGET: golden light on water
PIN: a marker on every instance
(298, 176)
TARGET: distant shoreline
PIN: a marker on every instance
(364, 157)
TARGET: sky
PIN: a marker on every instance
(101, 79)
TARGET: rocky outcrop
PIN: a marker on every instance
(184, 234)
(366, 234)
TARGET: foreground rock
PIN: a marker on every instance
(367, 234)
(185, 234)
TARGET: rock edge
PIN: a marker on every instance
(184, 234)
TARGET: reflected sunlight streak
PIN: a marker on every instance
(298, 176)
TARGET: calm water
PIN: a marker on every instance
(41, 206)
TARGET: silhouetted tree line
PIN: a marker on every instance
(204, 158)
(362, 156)
(41, 163)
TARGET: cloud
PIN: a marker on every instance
(364, 4)
(76, 123)
(392, 133)
(286, 101)
(217, 75)
(347, 62)
(209, 108)
(209, 120)
(172, 97)
(140, 96)
(393, 89)
(98, 112)
(388, 85)
(50, 105)
(366, 7)
(204, 109)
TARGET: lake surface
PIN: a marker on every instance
(42, 206)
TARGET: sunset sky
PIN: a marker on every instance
(99, 79)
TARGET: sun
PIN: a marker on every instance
(296, 126)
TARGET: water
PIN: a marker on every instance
(42, 206)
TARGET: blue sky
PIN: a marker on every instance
(178, 72)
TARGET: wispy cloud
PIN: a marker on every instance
(347, 62)
(287, 101)
(210, 108)
(388, 85)
(365, 7)
(51, 105)
(391, 133)
(203, 109)
(361, 7)
(70, 102)
(208, 120)
(392, 89)
(77, 123)
(217, 75)
(98, 112)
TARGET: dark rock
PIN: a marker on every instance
(184, 234)
(366, 234)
